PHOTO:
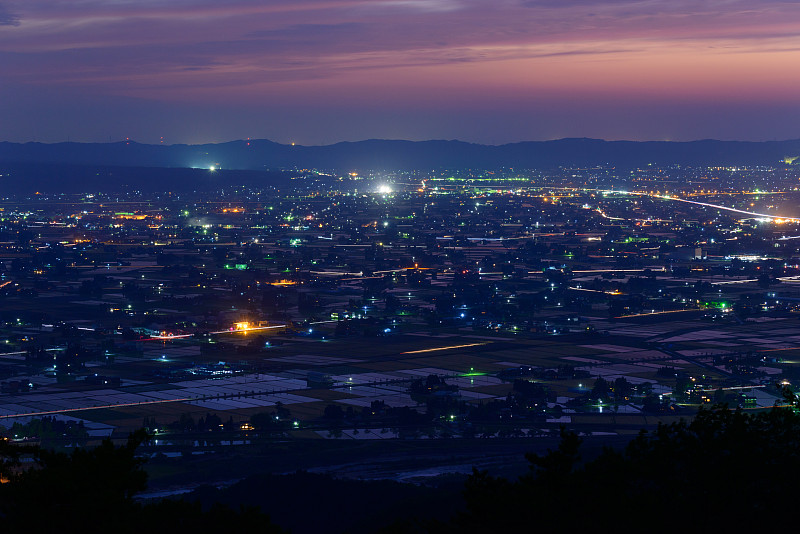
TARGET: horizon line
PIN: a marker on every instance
(396, 140)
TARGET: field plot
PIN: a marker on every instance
(362, 371)
(311, 359)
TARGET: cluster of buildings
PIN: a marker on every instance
(141, 292)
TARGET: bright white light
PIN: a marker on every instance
(385, 189)
(212, 168)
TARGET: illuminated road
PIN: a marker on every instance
(750, 280)
(653, 270)
(695, 202)
(717, 206)
(86, 408)
(229, 331)
(656, 313)
(595, 291)
(447, 348)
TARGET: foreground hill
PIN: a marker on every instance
(724, 471)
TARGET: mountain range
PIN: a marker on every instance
(404, 155)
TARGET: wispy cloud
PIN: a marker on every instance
(7, 18)
(219, 50)
(419, 5)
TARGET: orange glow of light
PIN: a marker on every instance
(244, 325)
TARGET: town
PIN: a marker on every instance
(398, 306)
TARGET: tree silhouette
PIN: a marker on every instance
(92, 490)
(723, 470)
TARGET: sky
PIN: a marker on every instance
(324, 71)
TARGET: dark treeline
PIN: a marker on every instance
(93, 490)
(723, 470)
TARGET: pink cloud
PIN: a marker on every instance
(415, 54)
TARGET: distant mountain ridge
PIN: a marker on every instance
(404, 155)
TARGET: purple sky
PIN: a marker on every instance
(321, 71)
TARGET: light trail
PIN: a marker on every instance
(596, 291)
(652, 270)
(733, 388)
(250, 329)
(447, 348)
(400, 270)
(719, 207)
(749, 280)
(775, 350)
(219, 332)
(602, 214)
(654, 313)
(704, 204)
(105, 406)
(589, 271)
(335, 273)
(26, 352)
